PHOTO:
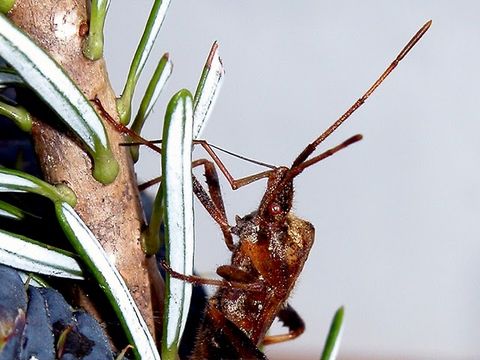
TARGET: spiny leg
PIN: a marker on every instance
(293, 321)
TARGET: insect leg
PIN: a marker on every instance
(149, 183)
(122, 128)
(231, 273)
(217, 209)
(293, 321)
(198, 280)
(213, 203)
(234, 183)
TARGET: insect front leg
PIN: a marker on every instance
(234, 183)
(290, 318)
(213, 203)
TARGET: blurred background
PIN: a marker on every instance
(396, 215)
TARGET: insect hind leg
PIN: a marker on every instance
(293, 321)
(198, 280)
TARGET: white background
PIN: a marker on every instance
(397, 215)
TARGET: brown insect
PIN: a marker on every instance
(270, 254)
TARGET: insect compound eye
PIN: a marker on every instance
(275, 208)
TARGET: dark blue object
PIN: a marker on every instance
(34, 320)
(60, 314)
(89, 327)
(13, 307)
(37, 339)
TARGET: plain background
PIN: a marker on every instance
(396, 215)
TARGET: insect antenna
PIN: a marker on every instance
(294, 171)
(311, 147)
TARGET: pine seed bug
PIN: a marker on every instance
(271, 251)
(269, 256)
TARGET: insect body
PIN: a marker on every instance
(272, 249)
(271, 252)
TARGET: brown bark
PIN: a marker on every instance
(112, 212)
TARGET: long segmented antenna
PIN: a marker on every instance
(311, 147)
